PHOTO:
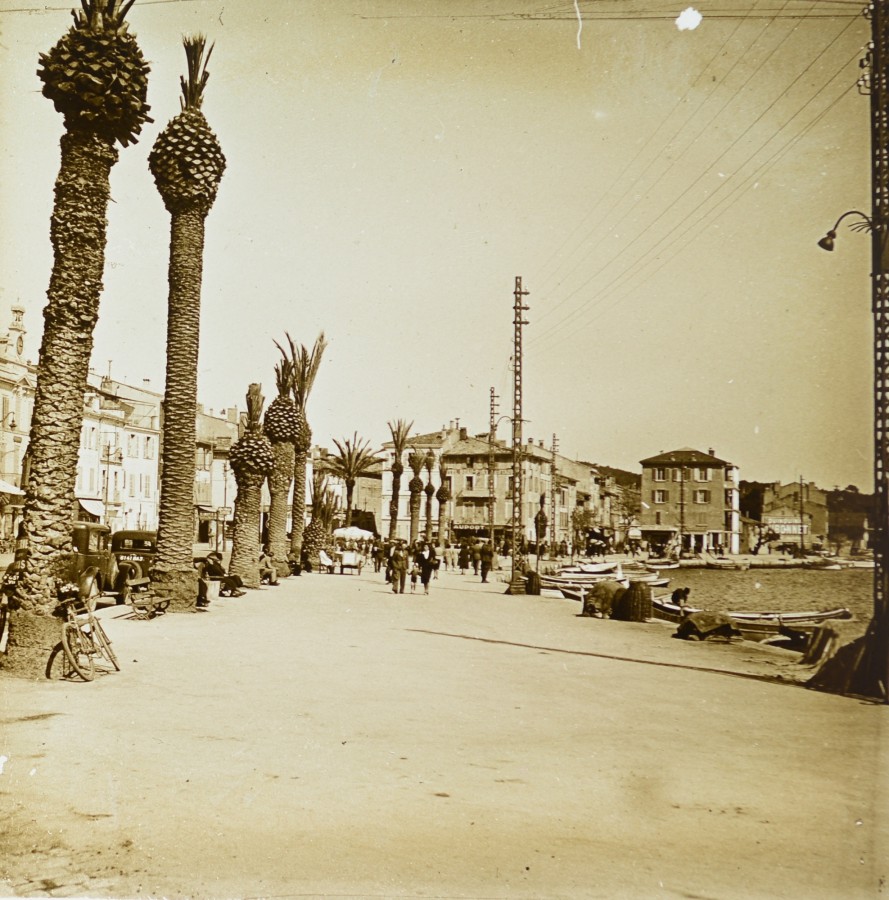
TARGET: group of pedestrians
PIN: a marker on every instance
(417, 564)
(419, 559)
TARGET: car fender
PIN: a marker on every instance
(89, 582)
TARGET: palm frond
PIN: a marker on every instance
(193, 86)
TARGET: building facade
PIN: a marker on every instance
(690, 503)
(797, 513)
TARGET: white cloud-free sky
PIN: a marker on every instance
(394, 165)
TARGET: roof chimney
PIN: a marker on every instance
(463, 434)
(711, 452)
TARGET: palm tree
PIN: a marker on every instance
(324, 506)
(281, 428)
(399, 431)
(417, 461)
(430, 493)
(187, 164)
(305, 369)
(97, 78)
(443, 495)
(252, 461)
(354, 458)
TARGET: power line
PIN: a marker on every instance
(571, 315)
(678, 131)
(644, 147)
(659, 247)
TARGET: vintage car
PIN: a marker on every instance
(111, 564)
(134, 551)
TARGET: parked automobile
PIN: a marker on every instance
(134, 551)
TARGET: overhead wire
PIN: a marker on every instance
(572, 315)
(635, 266)
(539, 275)
(716, 213)
(691, 141)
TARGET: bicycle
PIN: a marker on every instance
(83, 637)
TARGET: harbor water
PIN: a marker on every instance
(782, 590)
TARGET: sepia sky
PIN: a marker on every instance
(394, 165)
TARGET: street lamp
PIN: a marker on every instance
(866, 224)
(869, 672)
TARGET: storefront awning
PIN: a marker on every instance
(7, 488)
(92, 507)
(205, 512)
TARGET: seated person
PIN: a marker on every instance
(231, 584)
(268, 574)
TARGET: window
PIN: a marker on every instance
(660, 496)
(132, 445)
(149, 449)
(660, 474)
(702, 474)
(470, 482)
(147, 485)
(132, 485)
(702, 496)
(728, 498)
(657, 518)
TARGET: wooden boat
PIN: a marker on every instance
(723, 562)
(658, 565)
(596, 568)
(557, 582)
(755, 626)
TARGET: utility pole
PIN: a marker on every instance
(492, 436)
(802, 520)
(516, 585)
(681, 508)
(867, 672)
(553, 533)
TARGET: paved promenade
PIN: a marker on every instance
(327, 738)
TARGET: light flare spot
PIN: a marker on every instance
(689, 19)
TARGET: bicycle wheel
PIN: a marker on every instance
(58, 666)
(79, 648)
(103, 642)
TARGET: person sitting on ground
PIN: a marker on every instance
(231, 585)
(268, 574)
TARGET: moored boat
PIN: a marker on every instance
(755, 626)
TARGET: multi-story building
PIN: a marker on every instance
(118, 466)
(214, 484)
(690, 502)
(479, 474)
(18, 377)
(796, 512)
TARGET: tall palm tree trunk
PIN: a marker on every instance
(393, 503)
(415, 503)
(173, 574)
(245, 542)
(279, 503)
(350, 493)
(78, 234)
(298, 506)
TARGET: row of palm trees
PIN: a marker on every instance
(417, 461)
(97, 78)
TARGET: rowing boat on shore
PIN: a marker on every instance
(755, 626)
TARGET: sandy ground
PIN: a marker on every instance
(327, 738)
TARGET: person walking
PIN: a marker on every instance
(486, 556)
(463, 558)
(398, 563)
(476, 557)
(425, 559)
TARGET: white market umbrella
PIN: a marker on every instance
(352, 533)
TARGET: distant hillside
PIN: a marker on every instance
(620, 476)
